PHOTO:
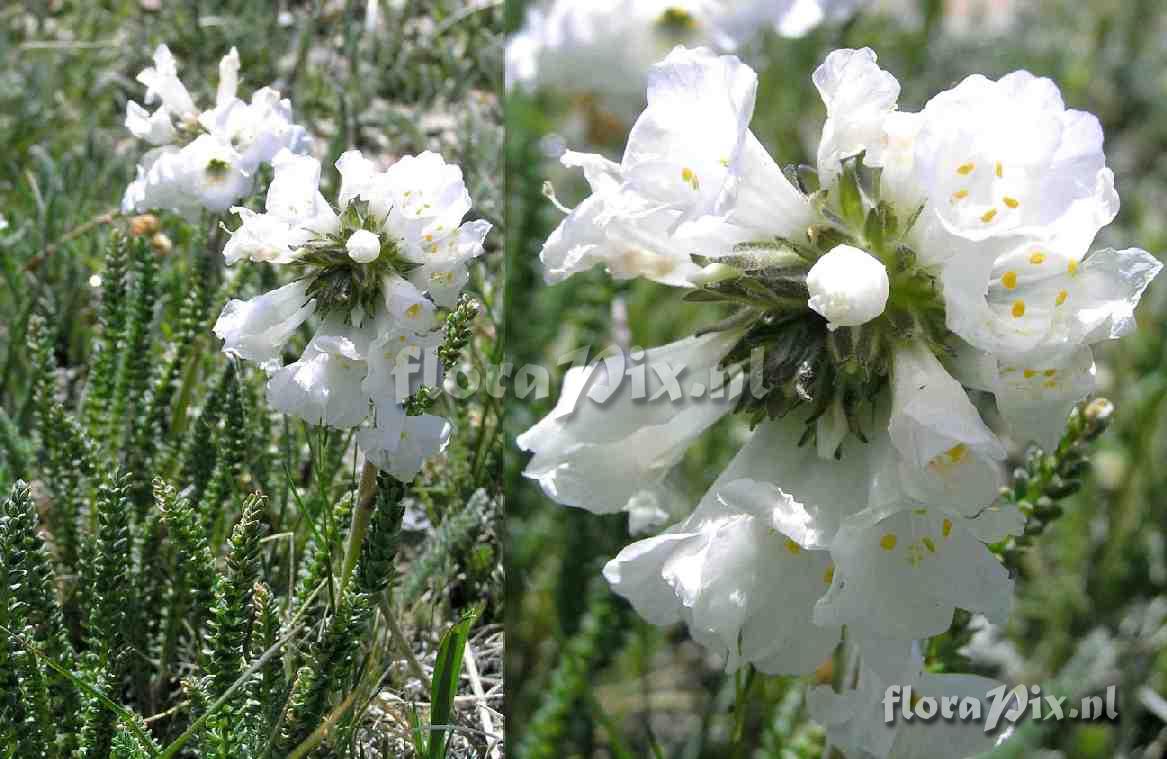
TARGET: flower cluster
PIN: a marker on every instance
(597, 52)
(929, 254)
(374, 271)
(204, 159)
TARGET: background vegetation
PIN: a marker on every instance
(147, 595)
(588, 678)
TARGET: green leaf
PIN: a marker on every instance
(447, 670)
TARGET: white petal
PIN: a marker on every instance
(859, 96)
(292, 192)
(903, 576)
(228, 78)
(953, 459)
(257, 329)
(683, 147)
(602, 444)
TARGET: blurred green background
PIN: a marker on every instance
(587, 678)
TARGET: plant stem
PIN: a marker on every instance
(366, 501)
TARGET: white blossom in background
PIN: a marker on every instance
(597, 53)
(372, 271)
(866, 498)
(203, 159)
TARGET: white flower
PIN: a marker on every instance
(1042, 299)
(257, 329)
(1005, 156)
(600, 49)
(402, 450)
(259, 129)
(904, 575)
(952, 459)
(683, 147)
(859, 97)
(202, 175)
(363, 246)
(604, 441)
(689, 154)
(162, 84)
(617, 229)
(378, 343)
(739, 575)
(324, 386)
(848, 287)
(203, 160)
(870, 465)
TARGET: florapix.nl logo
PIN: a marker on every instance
(903, 702)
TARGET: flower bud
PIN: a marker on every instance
(161, 244)
(848, 287)
(363, 246)
(146, 224)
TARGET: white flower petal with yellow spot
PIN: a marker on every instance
(1035, 398)
(738, 576)
(419, 195)
(904, 575)
(951, 459)
(1043, 302)
(685, 145)
(602, 444)
(1006, 156)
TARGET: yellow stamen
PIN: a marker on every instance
(1012, 202)
(690, 178)
(966, 168)
(1062, 295)
(1000, 170)
(1009, 280)
(1037, 258)
(957, 453)
(960, 195)
(989, 215)
(1030, 373)
(1018, 309)
(792, 547)
(1050, 372)
(946, 528)
(829, 575)
(888, 541)
(1072, 267)
(413, 311)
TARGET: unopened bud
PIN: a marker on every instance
(161, 244)
(363, 246)
(146, 224)
(848, 287)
